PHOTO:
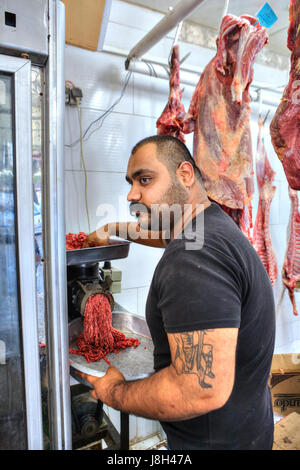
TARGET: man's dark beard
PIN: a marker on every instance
(176, 194)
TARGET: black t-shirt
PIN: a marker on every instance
(222, 284)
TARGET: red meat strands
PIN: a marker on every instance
(99, 338)
(74, 241)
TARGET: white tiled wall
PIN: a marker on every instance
(101, 77)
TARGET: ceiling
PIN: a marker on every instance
(209, 14)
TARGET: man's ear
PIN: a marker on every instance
(186, 174)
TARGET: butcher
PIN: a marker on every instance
(210, 311)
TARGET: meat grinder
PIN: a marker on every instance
(85, 278)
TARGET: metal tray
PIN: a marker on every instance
(115, 250)
(133, 363)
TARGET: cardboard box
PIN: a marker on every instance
(86, 22)
(287, 433)
(285, 383)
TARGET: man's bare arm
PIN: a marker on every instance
(199, 379)
(127, 230)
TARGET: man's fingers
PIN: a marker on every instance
(87, 242)
(110, 369)
(89, 378)
(93, 394)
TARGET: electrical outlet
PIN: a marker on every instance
(72, 95)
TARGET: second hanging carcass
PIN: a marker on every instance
(291, 265)
(171, 119)
(261, 234)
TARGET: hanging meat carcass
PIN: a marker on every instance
(285, 126)
(291, 265)
(261, 234)
(219, 116)
(170, 121)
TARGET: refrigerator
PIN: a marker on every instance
(35, 410)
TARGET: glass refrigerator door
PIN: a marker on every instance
(20, 397)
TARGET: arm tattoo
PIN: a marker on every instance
(193, 356)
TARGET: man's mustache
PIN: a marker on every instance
(135, 207)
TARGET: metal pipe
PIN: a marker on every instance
(160, 71)
(225, 8)
(266, 101)
(178, 13)
(224, 12)
(191, 78)
(192, 70)
(150, 59)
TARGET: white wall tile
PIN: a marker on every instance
(199, 56)
(113, 416)
(128, 298)
(144, 88)
(138, 268)
(146, 427)
(287, 329)
(106, 195)
(288, 348)
(139, 428)
(269, 75)
(108, 148)
(76, 219)
(284, 204)
(100, 76)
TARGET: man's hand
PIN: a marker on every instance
(98, 238)
(104, 386)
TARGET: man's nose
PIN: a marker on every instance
(134, 194)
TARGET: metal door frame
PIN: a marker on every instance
(56, 318)
(55, 236)
(20, 69)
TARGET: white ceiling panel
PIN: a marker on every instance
(209, 14)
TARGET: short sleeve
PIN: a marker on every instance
(199, 290)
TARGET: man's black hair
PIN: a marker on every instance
(171, 152)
